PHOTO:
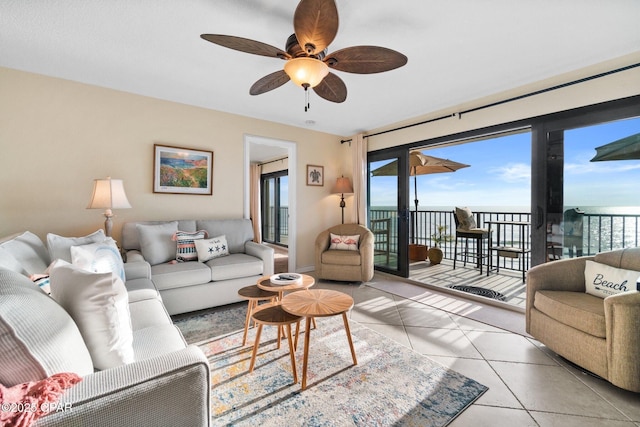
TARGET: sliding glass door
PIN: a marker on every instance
(275, 216)
(388, 210)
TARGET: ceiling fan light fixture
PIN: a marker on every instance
(306, 71)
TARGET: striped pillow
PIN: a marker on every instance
(186, 250)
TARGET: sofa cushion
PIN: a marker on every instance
(344, 243)
(215, 247)
(147, 313)
(38, 338)
(602, 280)
(102, 257)
(99, 304)
(576, 309)
(168, 276)
(28, 250)
(235, 266)
(141, 289)
(186, 245)
(130, 238)
(155, 242)
(60, 246)
(156, 340)
(338, 257)
(237, 231)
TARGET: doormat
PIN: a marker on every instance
(475, 290)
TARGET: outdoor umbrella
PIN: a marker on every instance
(419, 164)
(623, 149)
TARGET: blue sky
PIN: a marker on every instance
(500, 173)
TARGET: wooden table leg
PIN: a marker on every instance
(292, 354)
(255, 348)
(346, 328)
(305, 358)
(247, 322)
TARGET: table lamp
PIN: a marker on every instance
(108, 194)
(343, 186)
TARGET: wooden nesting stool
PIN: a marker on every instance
(254, 294)
(273, 314)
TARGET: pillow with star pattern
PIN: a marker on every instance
(211, 248)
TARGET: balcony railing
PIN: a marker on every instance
(601, 232)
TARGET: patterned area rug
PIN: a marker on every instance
(391, 385)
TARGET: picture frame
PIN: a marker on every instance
(315, 175)
(178, 170)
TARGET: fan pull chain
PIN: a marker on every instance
(306, 97)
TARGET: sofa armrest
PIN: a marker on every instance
(137, 270)
(134, 255)
(366, 252)
(621, 313)
(560, 275)
(168, 390)
(264, 252)
(321, 245)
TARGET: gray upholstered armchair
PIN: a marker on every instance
(343, 264)
(601, 335)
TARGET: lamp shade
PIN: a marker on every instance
(343, 186)
(306, 71)
(108, 194)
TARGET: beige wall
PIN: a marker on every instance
(57, 136)
(615, 86)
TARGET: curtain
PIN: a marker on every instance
(254, 202)
(359, 158)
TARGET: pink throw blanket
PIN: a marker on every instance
(22, 404)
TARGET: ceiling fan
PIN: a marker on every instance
(315, 23)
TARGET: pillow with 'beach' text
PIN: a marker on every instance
(603, 280)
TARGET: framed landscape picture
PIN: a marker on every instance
(315, 175)
(182, 170)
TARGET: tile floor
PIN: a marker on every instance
(528, 384)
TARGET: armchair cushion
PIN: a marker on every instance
(602, 280)
(340, 257)
(576, 309)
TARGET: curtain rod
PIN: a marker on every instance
(493, 104)
(273, 161)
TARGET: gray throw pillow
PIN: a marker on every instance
(156, 242)
(60, 247)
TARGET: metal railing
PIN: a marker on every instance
(602, 232)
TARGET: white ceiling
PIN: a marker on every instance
(458, 50)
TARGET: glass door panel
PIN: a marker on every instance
(388, 211)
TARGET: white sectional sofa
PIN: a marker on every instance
(193, 285)
(167, 382)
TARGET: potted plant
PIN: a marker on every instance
(439, 237)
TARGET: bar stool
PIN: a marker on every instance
(254, 294)
(273, 314)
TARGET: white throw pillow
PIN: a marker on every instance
(101, 257)
(155, 241)
(60, 247)
(602, 280)
(344, 243)
(211, 248)
(99, 305)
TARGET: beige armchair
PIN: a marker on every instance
(600, 335)
(345, 265)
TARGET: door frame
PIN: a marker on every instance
(250, 140)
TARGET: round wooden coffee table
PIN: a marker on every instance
(265, 283)
(313, 303)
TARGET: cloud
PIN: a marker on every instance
(513, 172)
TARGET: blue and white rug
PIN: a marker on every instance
(392, 385)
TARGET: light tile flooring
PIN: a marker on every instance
(528, 384)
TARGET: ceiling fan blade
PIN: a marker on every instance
(365, 59)
(246, 45)
(316, 24)
(332, 88)
(269, 82)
